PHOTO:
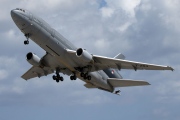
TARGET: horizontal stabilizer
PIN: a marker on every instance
(126, 82)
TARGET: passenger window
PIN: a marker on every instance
(20, 9)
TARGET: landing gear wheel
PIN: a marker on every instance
(26, 42)
(82, 74)
(61, 78)
(85, 76)
(54, 77)
(89, 77)
(27, 37)
(73, 77)
(57, 77)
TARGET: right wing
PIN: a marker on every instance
(106, 62)
(126, 83)
(101, 63)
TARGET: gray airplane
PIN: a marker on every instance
(63, 57)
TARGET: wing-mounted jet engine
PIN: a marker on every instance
(36, 61)
(86, 59)
(85, 56)
(33, 59)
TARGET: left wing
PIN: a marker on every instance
(50, 65)
(36, 72)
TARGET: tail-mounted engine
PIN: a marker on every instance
(84, 55)
(33, 59)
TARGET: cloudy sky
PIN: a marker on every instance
(143, 30)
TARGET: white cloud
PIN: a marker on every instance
(172, 5)
(107, 12)
(10, 34)
(146, 7)
(101, 44)
(15, 87)
(124, 27)
(3, 74)
(9, 63)
(127, 5)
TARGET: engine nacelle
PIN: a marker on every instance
(84, 55)
(33, 59)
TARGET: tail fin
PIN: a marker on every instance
(120, 56)
(113, 73)
(125, 82)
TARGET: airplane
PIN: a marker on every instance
(63, 57)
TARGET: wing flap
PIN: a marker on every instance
(126, 82)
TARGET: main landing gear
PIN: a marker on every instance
(85, 76)
(84, 72)
(73, 77)
(26, 42)
(57, 77)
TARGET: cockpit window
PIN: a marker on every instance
(20, 9)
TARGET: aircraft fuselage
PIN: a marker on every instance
(54, 43)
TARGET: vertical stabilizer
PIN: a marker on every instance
(120, 56)
(114, 73)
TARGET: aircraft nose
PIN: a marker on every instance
(15, 15)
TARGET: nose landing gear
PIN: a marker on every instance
(26, 42)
